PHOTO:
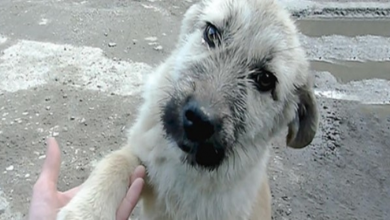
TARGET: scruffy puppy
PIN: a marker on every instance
(237, 78)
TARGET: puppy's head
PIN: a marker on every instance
(237, 77)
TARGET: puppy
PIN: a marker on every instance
(237, 78)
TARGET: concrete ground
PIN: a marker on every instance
(72, 69)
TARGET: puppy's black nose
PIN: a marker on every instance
(198, 126)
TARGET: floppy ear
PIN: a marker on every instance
(302, 129)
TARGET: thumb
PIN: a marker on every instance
(52, 164)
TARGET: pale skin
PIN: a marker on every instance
(47, 200)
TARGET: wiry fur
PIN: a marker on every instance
(255, 33)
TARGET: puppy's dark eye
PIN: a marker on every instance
(211, 35)
(265, 81)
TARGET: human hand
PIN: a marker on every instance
(47, 200)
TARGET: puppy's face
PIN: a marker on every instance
(239, 76)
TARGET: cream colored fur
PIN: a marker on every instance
(238, 189)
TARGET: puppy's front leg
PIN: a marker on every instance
(104, 190)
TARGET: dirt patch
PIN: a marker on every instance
(344, 174)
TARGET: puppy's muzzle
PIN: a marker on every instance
(198, 124)
(196, 127)
(201, 126)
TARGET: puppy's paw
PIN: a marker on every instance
(103, 191)
(80, 211)
(69, 214)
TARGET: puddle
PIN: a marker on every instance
(347, 27)
(347, 71)
(380, 110)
